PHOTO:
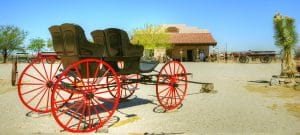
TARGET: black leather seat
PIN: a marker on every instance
(117, 43)
(69, 40)
(57, 38)
(100, 40)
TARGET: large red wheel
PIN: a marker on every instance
(171, 85)
(128, 86)
(35, 84)
(80, 100)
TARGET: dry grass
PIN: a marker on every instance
(294, 109)
(274, 91)
(278, 92)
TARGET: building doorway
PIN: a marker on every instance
(189, 55)
(202, 56)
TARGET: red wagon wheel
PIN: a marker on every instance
(35, 84)
(128, 86)
(171, 85)
(80, 100)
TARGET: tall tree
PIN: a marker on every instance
(151, 37)
(11, 39)
(285, 38)
(36, 44)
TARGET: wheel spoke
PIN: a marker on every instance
(48, 98)
(179, 96)
(47, 89)
(167, 88)
(32, 84)
(79, 75)
(180, 90)
(96, 72)
(57, 69)
(69, 108)
(177, 72)
(89, 114)
(174, 92)
(39, 72)
(42, 61)
(80, 119)
(101, 106)
(32, 90)
(165, 96)
(174, 68)
(50, 75)
(35, 96)
(73, 114)
(88, 74)
(61, 98)
(96, 111)
(169, 65)
(105, 85)
(70, 99)
(34, 78)
(99, 80)
(169, 96)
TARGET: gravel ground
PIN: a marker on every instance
(230, 109)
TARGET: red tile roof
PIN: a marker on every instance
(192, 38)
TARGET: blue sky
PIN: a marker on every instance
(241, 24)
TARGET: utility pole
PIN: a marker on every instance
(226, 57)
(218, 56)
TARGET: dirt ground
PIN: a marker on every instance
(242, 103)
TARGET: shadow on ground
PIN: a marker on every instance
(260, 81)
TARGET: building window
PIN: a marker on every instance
(172, 30)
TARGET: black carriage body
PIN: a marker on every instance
(110, 45)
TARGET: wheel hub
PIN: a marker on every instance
(50, 84)
(90, 96)
(173, 82)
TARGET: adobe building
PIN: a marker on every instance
(188, 43)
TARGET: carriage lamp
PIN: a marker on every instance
(120, 64)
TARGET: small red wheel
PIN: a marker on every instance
(171, 85)
(128, 86)
(80, 100)
(35, 84)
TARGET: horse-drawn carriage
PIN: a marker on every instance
(83, 87)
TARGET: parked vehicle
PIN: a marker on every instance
(263, 56)
(83, 88)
